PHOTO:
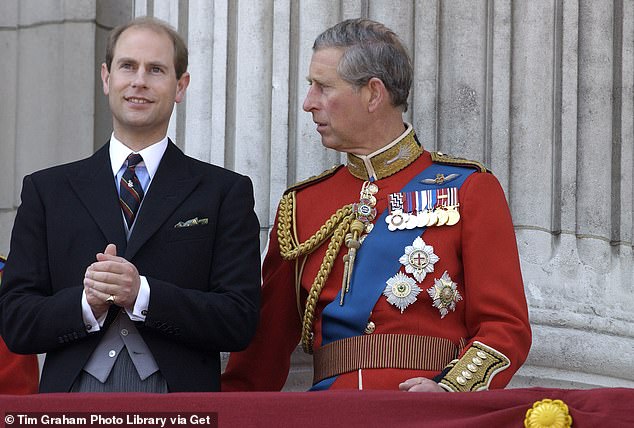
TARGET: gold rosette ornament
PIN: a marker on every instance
(548, 413)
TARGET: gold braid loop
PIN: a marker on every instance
(290, 249)
(322, 275)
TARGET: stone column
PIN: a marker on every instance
(47, 50)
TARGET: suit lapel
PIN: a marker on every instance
(95, 187)
(171, 185)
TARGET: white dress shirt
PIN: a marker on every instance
(145, 171)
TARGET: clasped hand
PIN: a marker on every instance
(111, 275)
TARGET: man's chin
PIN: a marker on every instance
(328, 142)
(329, 145)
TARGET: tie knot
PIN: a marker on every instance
(134, 159)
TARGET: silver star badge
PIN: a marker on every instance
(419, 259)
(445, 294)
(401, 291)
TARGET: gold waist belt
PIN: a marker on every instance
(378, 351)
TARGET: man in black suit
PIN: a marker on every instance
(132, 269)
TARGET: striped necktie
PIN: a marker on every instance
(130, 190)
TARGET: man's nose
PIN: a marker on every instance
(139, 78)
(309, 102)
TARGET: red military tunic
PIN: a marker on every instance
(19, 374)
(479, 253)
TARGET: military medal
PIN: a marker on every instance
(433, 218)
(445, 294)
(419, 259)
(439, 209)
(395, 216)
(406, 219)
(401, 291)
(422, 217)
(417, 207)
(452, 207)
(411, 222)
(446, 208)
(395, 220)
(443, 217)
(407, 210)
(454, 216)
(423, 208)
(409, 200)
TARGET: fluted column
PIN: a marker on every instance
(47, 115)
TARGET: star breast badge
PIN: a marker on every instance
(401, 291)
(419, 259)
(445, 294)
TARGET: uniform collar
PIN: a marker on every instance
(387, 160)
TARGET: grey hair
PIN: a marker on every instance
(370, 50)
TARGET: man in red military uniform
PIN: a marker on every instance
(19, 374)
(397, 271)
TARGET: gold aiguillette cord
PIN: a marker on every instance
(365, 213)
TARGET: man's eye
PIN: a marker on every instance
(157, 70)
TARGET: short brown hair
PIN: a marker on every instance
(180, 48)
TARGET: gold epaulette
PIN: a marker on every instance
(314, 179)
(450, 160)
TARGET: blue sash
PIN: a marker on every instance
(377, 261)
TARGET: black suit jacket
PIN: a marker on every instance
(204, 280)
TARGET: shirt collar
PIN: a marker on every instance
(151, 155)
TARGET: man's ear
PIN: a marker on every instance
(181, 87)
(105, 78)
(377, 94)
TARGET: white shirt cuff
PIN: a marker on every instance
(91, 323)
(142, 302)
